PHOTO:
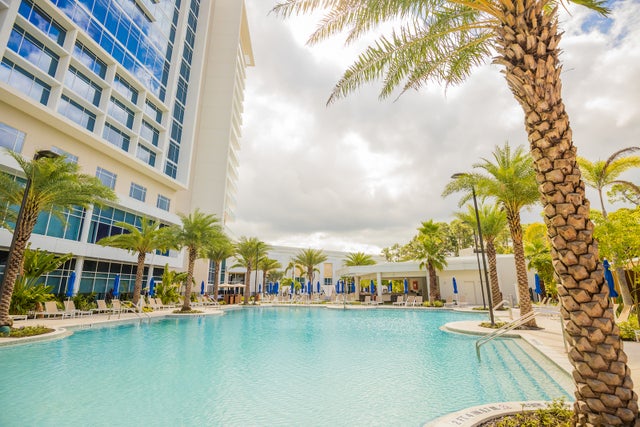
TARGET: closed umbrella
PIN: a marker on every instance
(202, 288)
(372, 287)
(276, 290)
(455, 286)
(390, 286)
(293, 288)
(152, 287)
(116, 286)
(338, 287)
(309, 288)
(318, 287)
(609, 277)
(70, 282)
(260, 288)
(537, 281)
(406, 286)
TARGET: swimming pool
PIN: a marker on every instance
(268, 366)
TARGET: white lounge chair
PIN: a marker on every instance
(72, 311)
(118, 307)
(102, 307)
(417, 301)
(51, 309)
(399, 300)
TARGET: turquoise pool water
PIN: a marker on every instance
(268, 367)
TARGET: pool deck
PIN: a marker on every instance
(548, 340)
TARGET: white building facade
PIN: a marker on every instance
(144, 94)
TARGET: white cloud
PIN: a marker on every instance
(362, 173)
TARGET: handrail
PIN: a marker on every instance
(504, 329)
(501, 304)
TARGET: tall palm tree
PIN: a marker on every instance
(55, 185)
(358, 258)
(308, 259)
(149, 236)
(600, 174)
(218, 250)
(510, 180)
(267, 265)
(196, 233)
(444, 40)
(249, 251)
(430, 250)
(492, 221)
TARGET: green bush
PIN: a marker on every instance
(29, 331)
(556, 414)
(85, 301)
(25, 296)
(438, 303)
(628, 328)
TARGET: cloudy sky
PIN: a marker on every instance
(362, 173)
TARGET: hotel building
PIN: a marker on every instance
(144, 94)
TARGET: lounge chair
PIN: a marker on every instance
(399, 300)
(417, 301)
(409, 302)
(51, 309)
(624, 314)
(16, 317)
(102, 307)
(72, 311)
(118, 307)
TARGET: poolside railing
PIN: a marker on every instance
(504, 329)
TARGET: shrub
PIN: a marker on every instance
(556, 414)
(628, 328)
(25, 296)
(29, 331)
(496, 325)
(84, 301)
(438, 303)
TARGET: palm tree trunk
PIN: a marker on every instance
(493, 272)
(625, 292)
(604, 211)
(186, 304)
(527, 46)
(515, 228)
(14, 267)
(137, 287)
(247, 286)
(434, 289)
(216, 279)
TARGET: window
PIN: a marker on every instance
(125, 89)
(149, 133)
(170, 169)
(11, 138)
(89, 59)
(106, 177)
(43, 21)
(121, 113)
(82, 86)
(76, 112)
(33, 51)
(104, 219)
(163, 202)
(24, 81)
(146, 155)
(138, 192)
(153, 111)
(116, 136)
(68, 156)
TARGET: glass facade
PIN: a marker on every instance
(116, 136)
(76, 112)
(107, 178)
(11, 138)
(19, 78)
(82, 86)
(50, 225)
(41, 20)
(146, 155)
(104, 219)
(34, 51)
(163, 203)
(137, 192)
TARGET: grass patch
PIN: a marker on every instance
(556, 414)
(496, 325)
(28, 331)
(192, 311)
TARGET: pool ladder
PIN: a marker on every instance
(503, 330)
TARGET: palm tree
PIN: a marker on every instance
(267, 265)
(139, 240)
(444, 41)
(249, 251)
(54, 184)
(196, 233)
(308, 259)
(492, 220)
(510, 180)
(600, 174)
(358, 258)
(219, 250)
(430, 250)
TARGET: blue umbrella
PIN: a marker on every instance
(338, 287)
(537, 281)
(202, 288)
(275, 291)
(609, 277)
(309, 287)
(260, 288)
(116, 286)
(70, 282)
(390, 285)
(293, 288)
(455, 286)
(406, 286)
(318, 286)
(152, 287)
(372, 287)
